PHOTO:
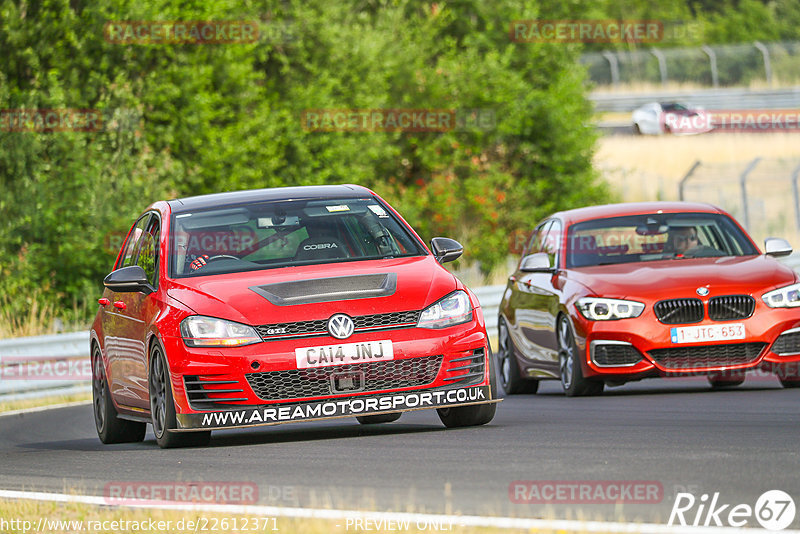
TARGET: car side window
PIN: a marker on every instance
(147, 257)
(537, 238)
(132, 243)
(552, 242)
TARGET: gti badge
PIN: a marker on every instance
(702, 291)
(340, 326)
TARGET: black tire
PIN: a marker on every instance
(162, 407)
(110, 428)
(379, 418)
(725, 381)
(636, 129)
(507, 366)
(790, 382)
(788, 374)
(572, 379)
(478, 414)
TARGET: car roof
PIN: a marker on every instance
(265, 195)
(633, 208)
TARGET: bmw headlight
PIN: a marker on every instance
(599, 309)
(199, 331)
(453, 309)
(784, 297)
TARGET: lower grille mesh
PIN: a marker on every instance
(316, 382)
(679, 358)
(609, 354)
(787, 344)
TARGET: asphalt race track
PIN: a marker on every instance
(676, 433)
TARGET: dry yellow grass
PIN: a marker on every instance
(10, 406)
(651, 167)
(36, 315)
(650, 87)
(140, 520)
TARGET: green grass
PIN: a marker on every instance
(10, 406)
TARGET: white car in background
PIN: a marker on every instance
(656, 118)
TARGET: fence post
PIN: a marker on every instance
(614, 65)
(686, 178)
(743, 184)
(795, 176)
(662, 64)
(712, 58)
(767, 65)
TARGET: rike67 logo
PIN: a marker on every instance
(773, 510)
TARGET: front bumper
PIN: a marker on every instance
(332, 409)
(657, 355)
(264, 378)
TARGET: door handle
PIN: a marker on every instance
(103, 301)
(120, 305)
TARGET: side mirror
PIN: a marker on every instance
(775, 246)
(536, 263)
(446, 249)
(128, 279)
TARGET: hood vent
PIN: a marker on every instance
(329, 289)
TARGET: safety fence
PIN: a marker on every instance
(712, 66)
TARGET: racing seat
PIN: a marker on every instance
(321, 248)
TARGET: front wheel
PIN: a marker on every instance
(510, 378)
(789, 375)
(110, 428)
(379, 418)
(723, 381)
(571, 372)
(162, 408)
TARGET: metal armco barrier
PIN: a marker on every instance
(710, 99)
(490, 297)
(44, 364)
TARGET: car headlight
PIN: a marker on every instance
(453, 309)
(199, 331)
(599, 309)
(784, 297)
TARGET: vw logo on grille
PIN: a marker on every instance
(702, 291)
(340, 326)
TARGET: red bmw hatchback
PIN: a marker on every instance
(280, 305)
(609, 294)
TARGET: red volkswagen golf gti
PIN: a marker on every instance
(280, 305)
(609, 294)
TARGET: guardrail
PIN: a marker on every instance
(44, 365)
(63, 359)
(710, 99)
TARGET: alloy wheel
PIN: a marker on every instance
(158, 394)
(99, 389)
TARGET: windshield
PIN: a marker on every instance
(286, 233)
(640, 238)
